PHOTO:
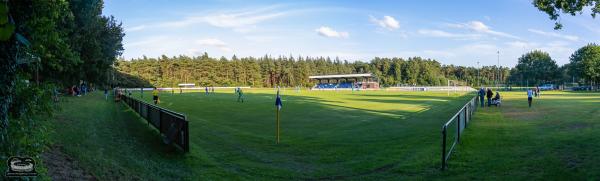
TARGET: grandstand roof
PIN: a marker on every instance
(186, 84)
(340, 76)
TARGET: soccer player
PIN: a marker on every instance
(155, 96)
(240, 95)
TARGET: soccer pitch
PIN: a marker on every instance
(324, 134)
(335, 135)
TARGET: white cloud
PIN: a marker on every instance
(215, 43)
(444, 34)
(558, 50)
(328, 32)
(480, 27)
(241, 20)
(386, 22)
(554, 34)
(145, 42)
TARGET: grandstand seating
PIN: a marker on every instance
(344, 85)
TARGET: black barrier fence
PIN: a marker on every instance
(172, 126)
(454, 128)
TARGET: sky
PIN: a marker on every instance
(461, 32)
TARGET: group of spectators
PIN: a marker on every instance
(80, 89)
(491, 99)
(495, 100)
(209, 90)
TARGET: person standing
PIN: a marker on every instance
(240, 95)
(481, 95)
(529, 97)
(489, 96)
(106, 93)
(155, 96)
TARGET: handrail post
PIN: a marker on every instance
(443, 147)
(458, 129)
(466, 115)
(186, 136)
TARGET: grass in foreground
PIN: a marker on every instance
(339, 135)
(324, 135)
(558, 138)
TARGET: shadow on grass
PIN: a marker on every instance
(229, 140)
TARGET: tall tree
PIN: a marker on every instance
(536, 67)
(585, 63)
(572, 7)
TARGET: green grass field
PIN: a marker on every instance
(336, 135)
(557, 139)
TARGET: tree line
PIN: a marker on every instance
(533, 68)
(270, 71)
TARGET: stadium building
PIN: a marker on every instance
(345, 81)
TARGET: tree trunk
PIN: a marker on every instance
(8, 67)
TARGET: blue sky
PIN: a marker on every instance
(453, 32)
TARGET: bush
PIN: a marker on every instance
(27, 133)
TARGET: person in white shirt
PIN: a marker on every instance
(529, 96)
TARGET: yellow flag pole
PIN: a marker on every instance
(277, 114)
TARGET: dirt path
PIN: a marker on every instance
(62, 167)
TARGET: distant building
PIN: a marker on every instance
(186, 85)
(345, 81)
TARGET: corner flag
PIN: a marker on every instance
(278, 103)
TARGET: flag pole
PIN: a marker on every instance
(277, 114)
(277, 107)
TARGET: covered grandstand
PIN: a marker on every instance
(345, 81)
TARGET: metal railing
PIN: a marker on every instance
(172, 126)
(461, 119)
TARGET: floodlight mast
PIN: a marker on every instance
(498, 71)
(478, 79)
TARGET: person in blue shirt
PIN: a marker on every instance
(529, 97)
(481, 96)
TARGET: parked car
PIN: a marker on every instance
(547, 87)
(581, 88)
